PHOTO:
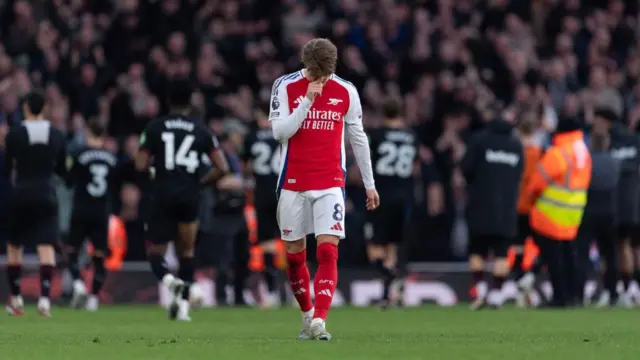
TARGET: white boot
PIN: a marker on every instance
(495, 298)
(15, 307)
(44, 307)
(175, 287)
(183, 310)
(79, 297)
(305, 332)
(93, 303)
(319, 330)
(481, 295)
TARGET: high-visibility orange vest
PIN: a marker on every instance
(117, 243)
(532, 155)
(529, 256)
(559, 187)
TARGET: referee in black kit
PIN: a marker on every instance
(35, 150)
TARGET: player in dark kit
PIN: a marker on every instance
(262, 157)
(35, 150)
(393, 153)
(92, 171)
(176, 143)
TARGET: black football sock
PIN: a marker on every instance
(516, 270)
(99, 275)
(73, 266)
(626, 281)
(186, 274)
(14, 272)
(478, 276)
(46, 276)
(385, 271)
(269, 273)
(497, 282)
(387, 288)
(158, 266)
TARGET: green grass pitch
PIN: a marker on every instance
(139, 333)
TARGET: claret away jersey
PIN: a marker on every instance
(312, 135)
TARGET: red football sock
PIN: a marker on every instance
(326, 278)
(299, 278)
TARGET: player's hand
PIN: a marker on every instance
(373, 199)
(314, 89)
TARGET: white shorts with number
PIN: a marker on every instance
(319, 212)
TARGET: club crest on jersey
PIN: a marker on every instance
(275, 103)
(334, 101)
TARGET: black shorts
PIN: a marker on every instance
(93, 227)
(484, 245)
(389, 221)
(32, 217)
(524, 230)
(267, 221)
(167, 213)
(627, 231)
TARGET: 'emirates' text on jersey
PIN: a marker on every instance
(91, 173)
(393, 153)
(178, 146)
(314, 158)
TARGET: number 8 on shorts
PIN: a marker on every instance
(319, 212)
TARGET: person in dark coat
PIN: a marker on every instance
(625, 147)
(492, 167)
(599, 223)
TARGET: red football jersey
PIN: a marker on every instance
(314, 157)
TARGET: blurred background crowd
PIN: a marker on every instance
(454, 64)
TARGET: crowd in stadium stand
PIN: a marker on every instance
(455, 64)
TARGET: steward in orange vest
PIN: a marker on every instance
(558, 188)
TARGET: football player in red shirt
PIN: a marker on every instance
(311, 110)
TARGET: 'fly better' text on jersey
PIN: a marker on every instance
(314, 157)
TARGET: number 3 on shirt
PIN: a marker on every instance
(98, 185)
(184, 157)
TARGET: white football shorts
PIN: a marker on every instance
(319, 212)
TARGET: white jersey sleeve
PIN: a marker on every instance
(285, 123)
(358, 138)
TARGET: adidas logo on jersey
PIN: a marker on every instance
(337, 227)
(299, 100)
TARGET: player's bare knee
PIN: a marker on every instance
(375, 252)
(501, 267)
(332, 239)
(294, 247)
(46, 254)
(14, 255)
(186, 253)
(518, 249)
(476, 262)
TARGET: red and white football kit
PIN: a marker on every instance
(310, 189)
